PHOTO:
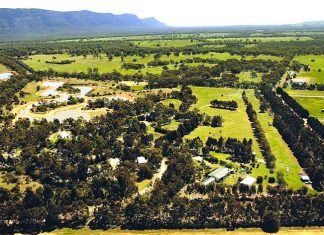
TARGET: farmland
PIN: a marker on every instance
(316, 63)
(313, 101)
(161, 131)
(3, 69)
(104, 65)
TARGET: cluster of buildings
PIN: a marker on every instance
(222, 173)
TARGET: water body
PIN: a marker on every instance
(63, 96)
(5, 76)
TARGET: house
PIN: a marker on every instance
(198, 158)
(305, 179)
(220, 173)
(65, 135)
(298, 81)
(114, 162)
(141, 160)
(248, 181)
(291, 73)
(208, 181)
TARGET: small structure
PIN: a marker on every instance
(291, 73)
(141, 160)
(114, 162)
(198, 158)
(248, 181)
(305, 179)
(220, 173)
(208, 181)
(65, 135)
(298, 81)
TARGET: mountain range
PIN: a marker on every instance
(36, 22)
(19, 24)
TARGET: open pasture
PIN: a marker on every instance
(316, 63)
(104, 65)
(263, 39)
(3, 68)
(313, 101)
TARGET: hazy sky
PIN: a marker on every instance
(192, 12)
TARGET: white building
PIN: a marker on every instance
(248, 181)
(65, 135)
(299, 81)
(220, 173)
(141, 160)
(305, 179)
(208, 181)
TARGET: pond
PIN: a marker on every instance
(5, 76)
(51, 90)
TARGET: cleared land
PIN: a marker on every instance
(313, 101)
(246, 77)
(285, 159)
(236, 125)
(104, 65)
(3, 68)
(263, 39)
(315, 62)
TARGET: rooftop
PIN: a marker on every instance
(220, 173)
(249, 180)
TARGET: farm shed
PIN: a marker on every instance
(220, 173)
(208, 181)
(141, 160)
(299, 81)
(248, 181)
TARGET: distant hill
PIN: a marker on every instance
(36, 22)
(310, 24)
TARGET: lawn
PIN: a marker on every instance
(143, 184)
(313, 101)
(236, 123)
(173, 125)
(3, 68)
(246, 77)
(314, 76)
(176, 102)
(285, 159)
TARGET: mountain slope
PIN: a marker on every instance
(45, 22)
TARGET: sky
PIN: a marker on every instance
(192, 12)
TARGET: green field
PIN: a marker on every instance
(285, 159)
(104, 65)
(313, 76)
(176, 102)
(246, 77)
(263, 39)
(165, 43)
(236, 124)
(3, 68)
(313, 101)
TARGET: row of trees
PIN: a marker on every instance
(259, 134)
(306, 143)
